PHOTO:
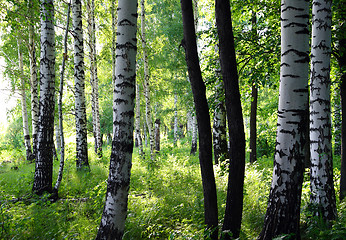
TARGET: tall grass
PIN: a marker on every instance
(165, 200)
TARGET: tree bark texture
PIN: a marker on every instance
(148, 113)
(79, 78)
(321, 169)
(34, 84)
(26, 132)
(254, 100)
(342, 69)
(115, 209)
(219, 126)
(253, 124)
(138, 121)
(61, 119)
(203, 119)
(194, 134)
(44, 159)
(234, 204)
(283, 211)
(93, 77)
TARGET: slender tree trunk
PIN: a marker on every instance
(203, 119)
(34, 83)
(194, 135)
(234, 204)
(26, 132)
(253, 124)
(283, 211)
(148, 114)
(337, 121)
(138, 121)
(57, 136)
(44, 159)
(321, 169)
(79, 78)
(115, 209)
(342, 67)
(157, 135)
(61, 119)
(254, 100)
(175, 126)
(93, 77)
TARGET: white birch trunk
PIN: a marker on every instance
(283, 212)
(79, 78)
(44, 159)
(115, 210)
(138, 121)
(26, 132)
(93, 77)
(194, 135)
(148, 114)
(33, 83)
(175, 126)
(321, 170)
(61, 119)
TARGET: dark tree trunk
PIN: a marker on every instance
(342, 67)
(203, 119)
(157, 135)
(253, 123)
(234, 204)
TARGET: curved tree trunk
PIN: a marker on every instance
(283, 211)
(44, 159)
(234, 204)
(61, 120)
(79, 78)
(115, 209)
(203, 119)
(321, 169)
(26, 132)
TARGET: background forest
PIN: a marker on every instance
(166, 194)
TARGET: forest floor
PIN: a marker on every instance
(165, 200)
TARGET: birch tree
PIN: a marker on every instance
(60, 113)
(44, 159)
(283, 211)
(148, 114)
(115, 210)
(321, 169)
(138, 121)
(93, 77)
(79, 78)
(26, 132)
(33, 82)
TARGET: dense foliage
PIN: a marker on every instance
(165, 200)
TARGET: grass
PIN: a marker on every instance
(165, 199)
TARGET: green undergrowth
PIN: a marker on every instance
(165, 199)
